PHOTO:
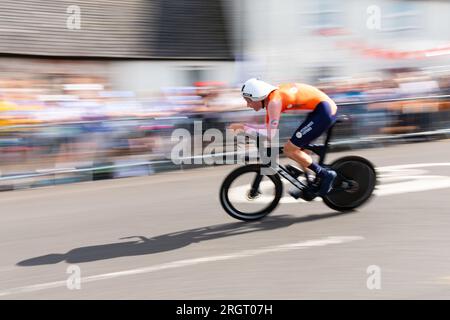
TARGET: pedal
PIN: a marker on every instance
(308, 195)
(304, 194)
(295, 193)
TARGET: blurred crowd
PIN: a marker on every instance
(71, 121)
(67, 121)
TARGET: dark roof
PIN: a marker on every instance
(158, 29)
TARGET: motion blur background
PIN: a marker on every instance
(104, 84)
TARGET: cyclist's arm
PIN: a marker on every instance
(272, 120)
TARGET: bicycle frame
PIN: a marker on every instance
(318, 149)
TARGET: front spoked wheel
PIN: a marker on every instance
(354, 184)
(251, 192)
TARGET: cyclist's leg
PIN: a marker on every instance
(295, 149)
(314, 125)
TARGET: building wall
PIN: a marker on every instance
(279, 36)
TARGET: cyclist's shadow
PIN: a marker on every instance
(170, 241)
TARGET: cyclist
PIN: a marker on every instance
(293, 96)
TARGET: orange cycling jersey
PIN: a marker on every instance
(298, 96)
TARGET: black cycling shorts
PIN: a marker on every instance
(316, 123)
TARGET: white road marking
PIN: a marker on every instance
(188, 262)
(416, 165)
(423, 183)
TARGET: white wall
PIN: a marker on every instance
(279, 35)
(150, 76)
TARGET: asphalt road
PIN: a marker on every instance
(167, 237)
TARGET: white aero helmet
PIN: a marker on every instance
(256, 90)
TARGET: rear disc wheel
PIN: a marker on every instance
(354, 184)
